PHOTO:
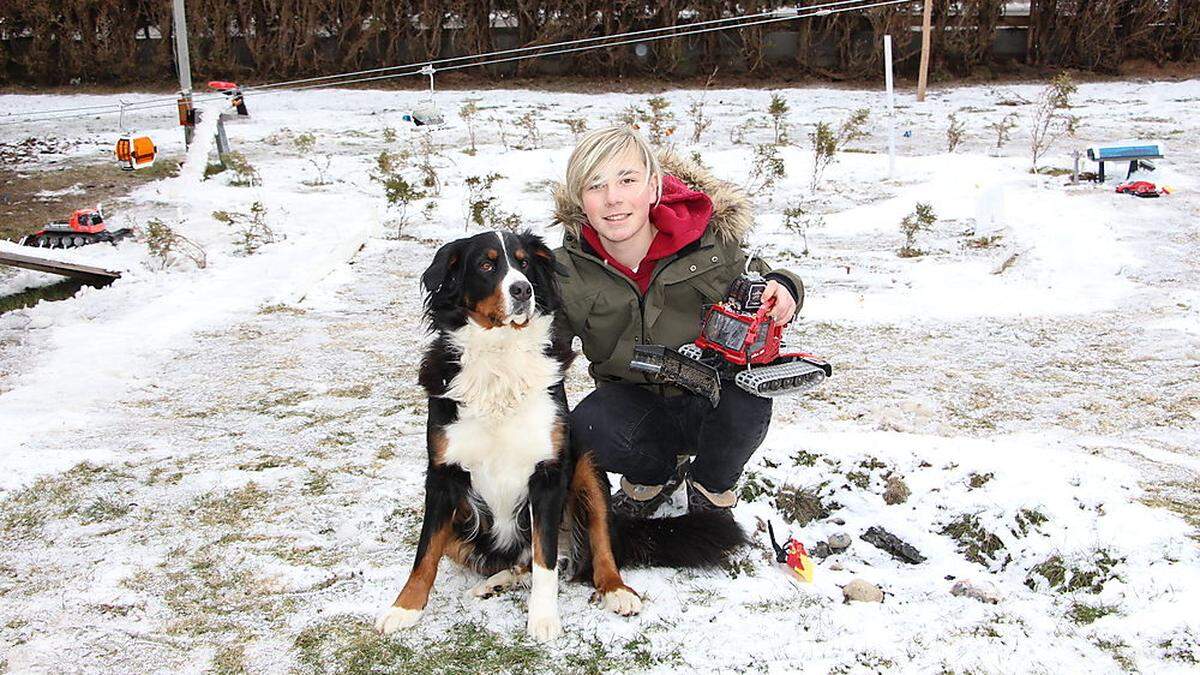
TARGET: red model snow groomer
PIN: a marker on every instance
(86, 226)
(740, 341)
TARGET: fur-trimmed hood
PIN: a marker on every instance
(731, 221)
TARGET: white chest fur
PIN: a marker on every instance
(505, 414)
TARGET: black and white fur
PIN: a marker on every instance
(502, 477)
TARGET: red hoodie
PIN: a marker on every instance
(681, 216)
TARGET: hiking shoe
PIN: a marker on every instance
(700, 499)
(641, 501)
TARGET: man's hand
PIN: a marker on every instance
(785, 304)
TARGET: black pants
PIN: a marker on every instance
(636, 432)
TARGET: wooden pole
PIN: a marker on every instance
(924, 76)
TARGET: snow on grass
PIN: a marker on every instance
(222, 467)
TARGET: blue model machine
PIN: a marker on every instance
(1137, 153)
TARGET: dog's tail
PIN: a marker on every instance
(699, 539)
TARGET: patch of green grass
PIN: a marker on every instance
(984, 242)
(318, 483)
(282, 309)
(309, 554)
(1053, 171)
(27, 511)
(977, 544)
(786, 604)
(161, 474)
(804, 458)
(872, 464)
(211, 596)
(350, 646)
(405, 521)
(977, 480)
(1177, 648)
(638, 654)
(1116, 648)
(1084, 614)
(1186, 505)
(1056, 575)
(338, 439)
(873, 662)
(1028, 519)
(859, 479)
(264, 462)
(229, 660)
(102, 509)
(738, 564)
(755, 485)
(280, 399)
(354, 391)
(801, 505)
(230, 508)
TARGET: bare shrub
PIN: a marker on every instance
(166, 245)
(1051, 121)
(251, 231)
(920, 220)
(827, 142)
(955, 133)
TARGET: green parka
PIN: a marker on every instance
(608, 312)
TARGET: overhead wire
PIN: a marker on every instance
(565, 43)
(556, 52)
(539, 51)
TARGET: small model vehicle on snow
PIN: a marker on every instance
(86, 226)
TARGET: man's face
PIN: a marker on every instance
(617, 199)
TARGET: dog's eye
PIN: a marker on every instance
(524, 264)
(486, 266)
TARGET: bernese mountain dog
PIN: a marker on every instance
(504, 483)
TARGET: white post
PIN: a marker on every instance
(891, 104)
(183, 61)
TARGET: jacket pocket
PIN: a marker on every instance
(603, 325)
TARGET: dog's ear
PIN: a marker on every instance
(445, 263)
(542, 255)
(544, 270)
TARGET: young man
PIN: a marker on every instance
(649, 242)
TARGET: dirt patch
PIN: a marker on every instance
(30, 199)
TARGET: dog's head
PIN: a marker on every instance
(494, 279)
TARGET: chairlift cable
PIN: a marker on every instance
(428, 67)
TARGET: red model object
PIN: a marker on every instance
(86, 226)
(740, 341)
(739, 333)
(792, 554)
(234, 92)
(1142, 188)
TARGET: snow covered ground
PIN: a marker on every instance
(221, 468)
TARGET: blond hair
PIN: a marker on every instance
(599, 146)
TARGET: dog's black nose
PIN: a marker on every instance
(521, 291)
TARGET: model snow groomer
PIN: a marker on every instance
(85, 226)
(738, 341)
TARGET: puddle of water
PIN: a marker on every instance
(28, 298)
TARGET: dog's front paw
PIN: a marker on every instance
(623, 601)
(395, 618)
(544, 626)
